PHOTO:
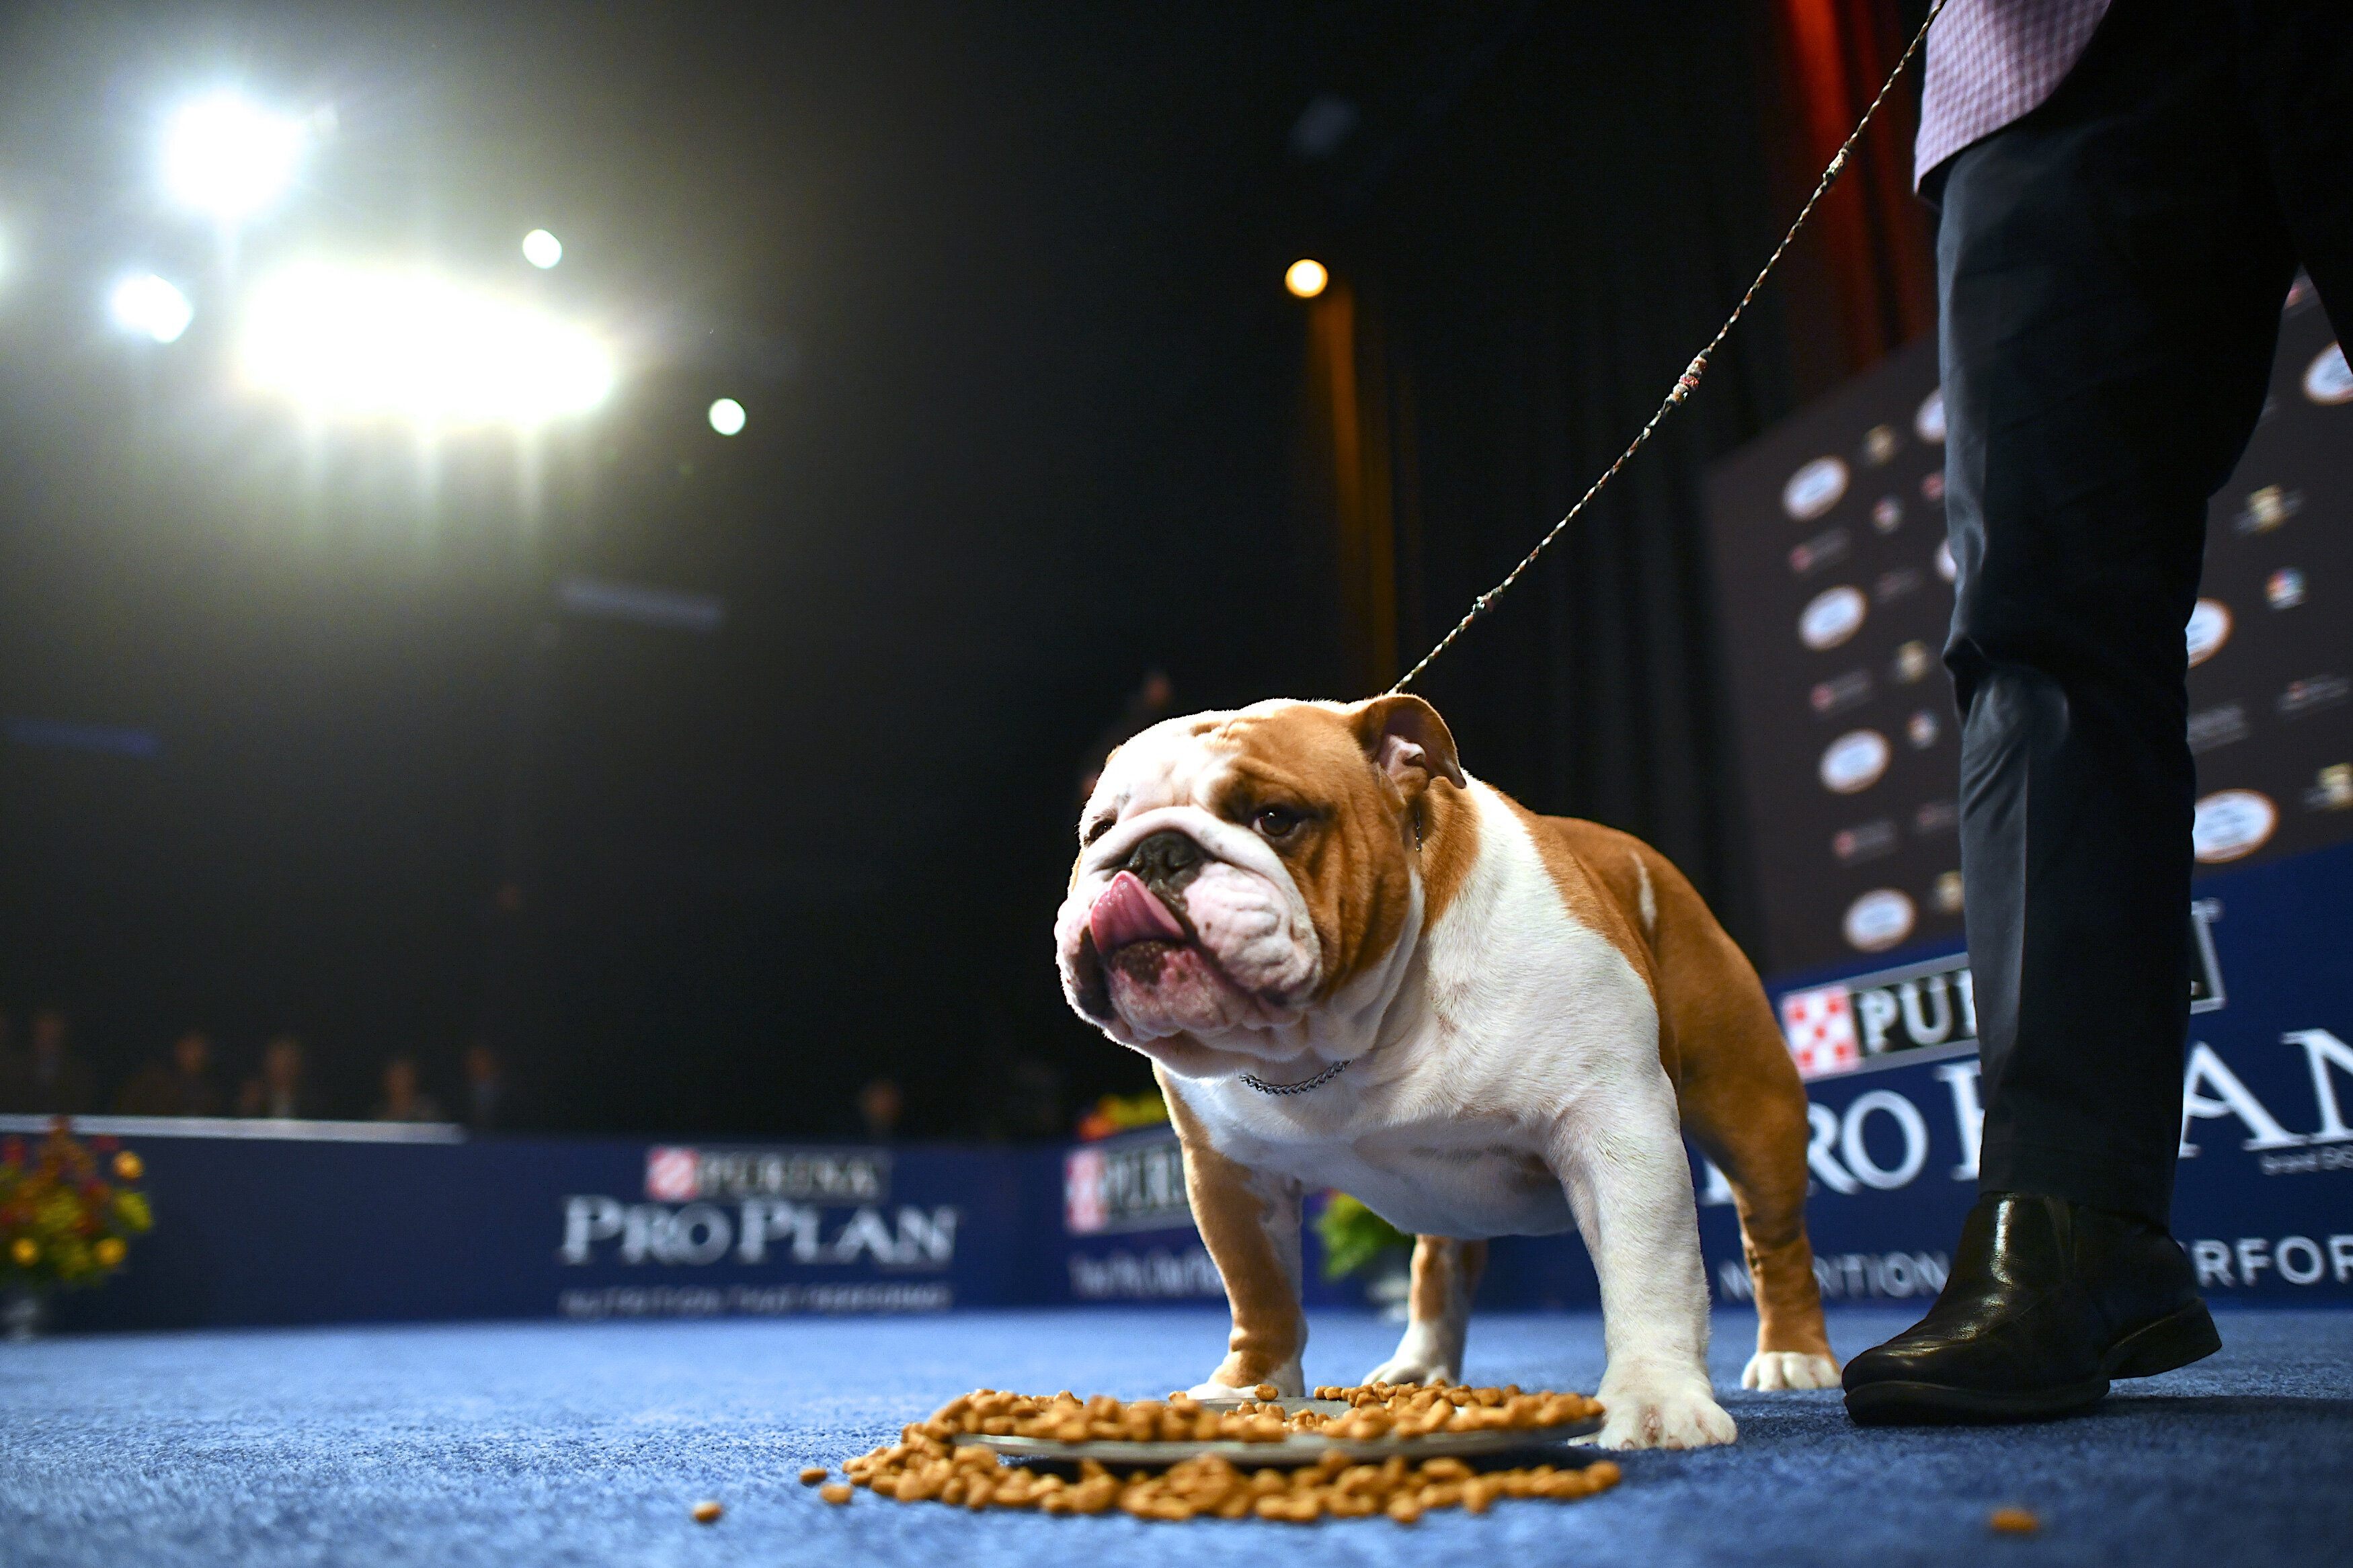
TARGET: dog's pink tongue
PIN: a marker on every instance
(1126, 912)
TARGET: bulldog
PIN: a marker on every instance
(1353, 965)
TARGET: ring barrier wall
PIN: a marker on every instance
(306, 1223)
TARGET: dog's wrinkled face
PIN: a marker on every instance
(1236, 868)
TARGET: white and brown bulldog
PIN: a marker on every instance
(1355, 967)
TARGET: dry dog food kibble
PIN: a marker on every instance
(925, 1466)
(836, 1494)
(2014, 1522)
(814, 1474)
(707, 1513)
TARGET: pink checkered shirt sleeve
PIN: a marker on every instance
(1990, 62)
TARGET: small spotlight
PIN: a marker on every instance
(148, 306)
(542, 250)
(727, 416)
(224, 157)
(1306, 277)
(369, 342)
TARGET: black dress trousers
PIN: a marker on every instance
(2111, 269)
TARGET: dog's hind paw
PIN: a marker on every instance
(1403, 1369)
(1790, 1369)
(1426, 1354)
(1289, 1382)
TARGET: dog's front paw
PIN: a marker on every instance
(1663, 1416)
(1790, 1369)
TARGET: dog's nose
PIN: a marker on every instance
(1167, 859)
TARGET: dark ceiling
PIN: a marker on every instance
(1000, 290)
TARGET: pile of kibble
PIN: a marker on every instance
(1416, 1410)
(926, 1465)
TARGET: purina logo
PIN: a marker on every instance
(758, 1207)
(1922, 1007)
(677, 1174)
(1926, 1011)
(1820, 1026)
(1135, 1183)
(672, 1175)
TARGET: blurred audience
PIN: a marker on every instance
(182, 1085)
(47, 1078)
(282, 1090)
(403, 1101)
(879, 1106)
(1031, 1104)
(491, 1103)
(43, 1075)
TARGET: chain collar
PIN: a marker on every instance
(1253, 1081)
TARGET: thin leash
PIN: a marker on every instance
(1684, 385)
(1689, 381)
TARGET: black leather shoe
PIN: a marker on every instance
(2047, 1300)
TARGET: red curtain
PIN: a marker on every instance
(1872, 234)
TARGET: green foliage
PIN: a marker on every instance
(61, 1221)
(1353, 1237)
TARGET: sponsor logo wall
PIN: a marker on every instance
(333, 1228)
(1127, 1231)
(1835, 591)
(311, 1230)
(263, 1230)
(2263, 1201)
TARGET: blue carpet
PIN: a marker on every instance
(529, 1443)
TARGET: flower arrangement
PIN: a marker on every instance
(1116, 1113)
(61, 1221)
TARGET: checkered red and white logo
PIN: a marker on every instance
(672, 1175)
(1820, 1026)
(1084, 1210)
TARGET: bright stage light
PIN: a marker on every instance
(151, 307)
(542, 250)
(346, 342)
(224, 157)
(1306, 277)
(727, 416)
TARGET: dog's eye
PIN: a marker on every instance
(1275, 821)
(1093, 830)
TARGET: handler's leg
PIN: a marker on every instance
(2111, 269)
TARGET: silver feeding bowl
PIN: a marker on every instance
(1299, 1448)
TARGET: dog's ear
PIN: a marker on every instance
(1405, 738)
